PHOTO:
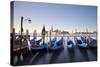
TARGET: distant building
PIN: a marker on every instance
(61, 32)
(64, 32)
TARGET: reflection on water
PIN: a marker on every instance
(54, 56)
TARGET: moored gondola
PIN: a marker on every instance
(92, 42)
(82, 42)
(56, 45)
(70, 43)
(37, 46)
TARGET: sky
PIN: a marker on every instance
(61, 16)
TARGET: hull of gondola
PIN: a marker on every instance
(38, 48)
(81, 45)
(56, 48)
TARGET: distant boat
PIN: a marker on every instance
(56, 45)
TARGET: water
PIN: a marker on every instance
(61, 56)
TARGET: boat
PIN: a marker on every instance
(35, 42)
(36, 45)
(70, 43)
(56, 45)
(92, 42)
(39, 45)
(60, 42)
(78, 41)
(82, 42)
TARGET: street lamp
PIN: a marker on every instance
(22, 19)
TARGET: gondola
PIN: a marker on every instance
(40, 47)
(56, 45)
(36, 45)
(60, 42)
(70, 43)
(82, 42)
(35, 42)
(91, 42)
